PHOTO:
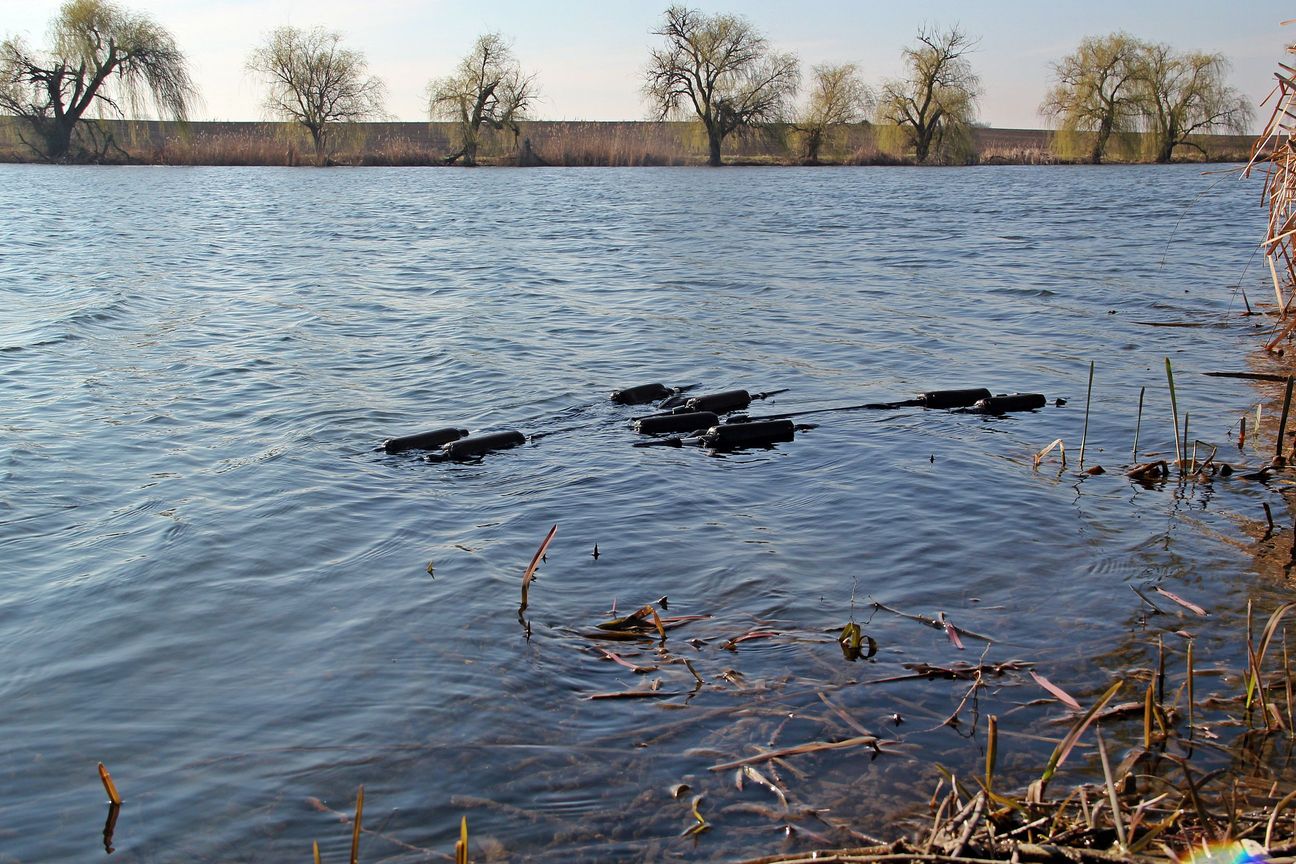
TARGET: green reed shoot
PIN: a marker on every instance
(1084, 435)
(1138, 424)
(1254, 684)
(1065, 746)
(1174, 410)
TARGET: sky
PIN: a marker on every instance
(589, 56)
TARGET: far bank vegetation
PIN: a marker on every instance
(715, 88)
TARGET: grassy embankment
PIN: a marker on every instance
(567, 143)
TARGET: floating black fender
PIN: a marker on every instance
(753, 433)
(642, 395)
(953, 398)
(1004, 403)
(478, 445)
(664, 424)
(424, 440)
(720, 403)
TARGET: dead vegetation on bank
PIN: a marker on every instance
(556, 143)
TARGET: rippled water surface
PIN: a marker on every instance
(213, 583)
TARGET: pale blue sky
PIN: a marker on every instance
(589, 56)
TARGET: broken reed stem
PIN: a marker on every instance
(315, 851)
(1190, 689)
(461, 845)
(355, 829)
(1174, 410)
(1138, 424)
(109, 786)
(1084, 435)
(1282, 423)
(1186, 439)
(531, 568)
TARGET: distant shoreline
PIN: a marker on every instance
(559, 144)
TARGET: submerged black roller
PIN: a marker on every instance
(755, 433)
(642, 394)
(1004, 403)
(953, 398)
(720, 403)
(479, 445)
(674, 401)
(664, 424)
(424, 440)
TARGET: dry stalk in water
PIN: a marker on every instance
(531, 568)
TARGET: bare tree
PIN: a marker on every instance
(103, 57)
(721, 69)
(1184, 94)
(935, 105)
(316, 83)
(1097, 90)
(488, 88)
(837, 96)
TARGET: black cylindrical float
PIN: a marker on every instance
(642, 394)
(665, 424)
(424, 440)
(727, 400)
(755, 433)
(1004, 403)
(478, 445)
(953, 398)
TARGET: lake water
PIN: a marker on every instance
(214, 584)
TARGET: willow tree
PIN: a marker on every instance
(838, 96)
(1097, 90)
(720, 69)
(935, 105)
(104, 60)
(488, 88)
(315, 82)
(1184, 95)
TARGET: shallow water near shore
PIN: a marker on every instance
(215, 585)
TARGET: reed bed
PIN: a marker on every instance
(556, 143)
(1273, 149)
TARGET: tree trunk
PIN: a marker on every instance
(814, 140)
(1100, 142)
(1165, 150)
(58, 139)
(713, 142)
(318, 136)
(922, 143)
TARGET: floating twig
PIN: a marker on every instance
(1062, 696)
(811, 747)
